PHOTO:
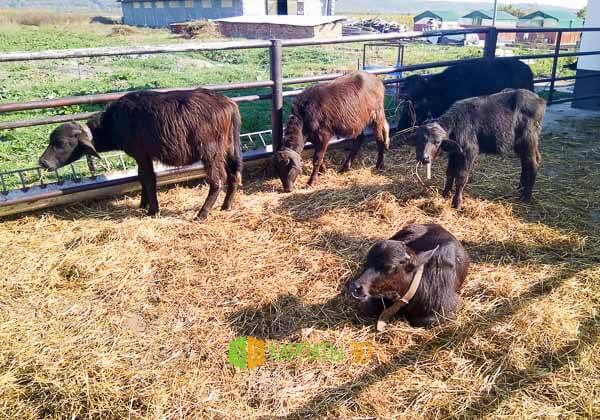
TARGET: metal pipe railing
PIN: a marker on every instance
(103, 98)
(276, 82)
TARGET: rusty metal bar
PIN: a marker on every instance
(574, 99)
(378, 37)
(45, 121)
(551, 55)
(491, 40)
(554, 66)
(532, 30)
(277, 94)
(85, 115)
(103, 98)
(563, 78)
(114, 51)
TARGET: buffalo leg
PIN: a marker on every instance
(148, 181)
(381, 130)
(356, 145)
(450, 175)
(380, 152)
(144, 199)
(529, 169)
(463, 169)
(320, 150)
(232, 185)
(215, 172)
(322, 168)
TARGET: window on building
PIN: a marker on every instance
(300, 10)
(206, 4)
(137, 4)
(147, 5)
(174, 4)
(189, 4)
(226, 3)
(160, 4)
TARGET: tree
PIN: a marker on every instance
(582, 13)
(512, 9)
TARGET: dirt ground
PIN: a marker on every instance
(106, 313)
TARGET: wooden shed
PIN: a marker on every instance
(483, 18)
(549, 19)
(431, 20)
(161, 13)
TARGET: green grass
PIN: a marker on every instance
(57, 78)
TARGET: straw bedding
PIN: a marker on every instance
(105, 313)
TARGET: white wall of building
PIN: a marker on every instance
(253, 8)
(590, 41)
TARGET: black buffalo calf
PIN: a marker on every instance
(494, 124)
(417, 272)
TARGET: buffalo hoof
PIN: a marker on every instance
(380, 167)
(381, 325)
(446, 193)
(201, 216)
(425, 322)
(344, 169)
(457, 203)
(526, 198)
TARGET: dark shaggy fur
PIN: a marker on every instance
(431, 96)
(391, 266)
(342, 108)
(495, 124)
(175, 128)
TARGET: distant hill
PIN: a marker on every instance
(99, 5)
(413, 7)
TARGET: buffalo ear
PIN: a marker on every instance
(411, 138)
(451, 147)
(423, 258)
(283, 157)
(95, 120)
(296, 159)
(85, 141)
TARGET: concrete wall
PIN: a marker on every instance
(157, 13)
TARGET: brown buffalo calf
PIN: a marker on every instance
(417, 272)
(342, 108)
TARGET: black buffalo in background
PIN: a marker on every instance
(430, 96)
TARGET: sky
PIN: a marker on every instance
(574, 4)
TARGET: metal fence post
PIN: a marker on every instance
(277, 92)
(554, 66)
(491, 39)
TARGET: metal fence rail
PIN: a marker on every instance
(36, 190)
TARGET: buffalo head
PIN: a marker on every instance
(288, 165)
(388, 271)
(68, 143)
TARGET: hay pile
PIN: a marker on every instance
(104, 313)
